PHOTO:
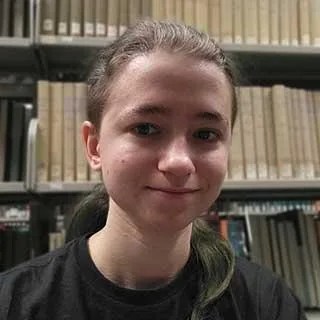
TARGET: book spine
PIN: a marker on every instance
(170, 10)
(88, 18)
(269, 134)
(18, 17)
(238, 21)
(294, 26)
(274, 22)
(226, 21)
(189, 12)
(43, 144)
(280, 118)
(179, 10)
(284, 22)
(264, 18)
(134, 11)
(315, 22)
(101, 18)
(63, 17)
(246, 116)
(5, 18)
(146, 11)
(48, 17)
(250, 22)
(259, 130)
(80, 92)
(214, 21)
(124, 16)
(113, 18)
(75, 18)
(201, 15)
(304, 18)
(68, 132)
(56, 155)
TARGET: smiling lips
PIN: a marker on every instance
(175, 191)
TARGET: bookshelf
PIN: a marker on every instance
(42, 56)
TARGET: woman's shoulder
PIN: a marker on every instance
(256, 287)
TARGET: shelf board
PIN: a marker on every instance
(65, 187)
(12, 187)
(265, 185)
(69, 53)
(17, 54)
(255, 62)
(313, 315)
(271, 189)
(247, 189)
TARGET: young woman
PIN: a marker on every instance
(161, 106)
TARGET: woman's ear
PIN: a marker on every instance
(91, 142)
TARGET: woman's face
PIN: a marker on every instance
(164, 140)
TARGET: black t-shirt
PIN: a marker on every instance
(65, 284)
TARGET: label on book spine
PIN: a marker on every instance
(62, 28)
(122, 29)
(89, 29)
(75, 28)
(112, 31)
(101, 29)
(48, 25)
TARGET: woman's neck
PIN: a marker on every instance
(135, 260)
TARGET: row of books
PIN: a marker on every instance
(15, 239)
(15, 116)
(14, 18)
(286, 242)
(62, 108)
(229, 21)
(276, 135)
(31, 229)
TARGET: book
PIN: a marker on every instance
(80, 96)
(280, 118)
(275, 246)
(158, 10)
(248, 135)
(201, 15)
(75, 18)
(315, 22)
(264, 234)
(124, 17)
(256, 245)
(314, 255)
(134, 11)
(113, 18)
(170, 10)
(226, 21)
(63, 16)
(263, 21)
(5, 18)
(312, 125)
(284, 7)
(292, 133)
(69, 150)
(88, 18)
(294, 25)
(238, 21)
(236, 169)
(4, 109)
(259, 131)
(316, 112)
(44, 123)
(214, 20)
(18, 15)
(56, 136)
(146, 8)
(48, 17)
(274, 22)
(306, 139)
(189, 12)
(28, 115)
(304, 19)
(250, 22)
(179, 10)
(101, 18)
(14, 142)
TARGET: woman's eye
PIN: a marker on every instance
(206, 135)
(145, 129)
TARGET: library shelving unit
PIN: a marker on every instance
(43, 55)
